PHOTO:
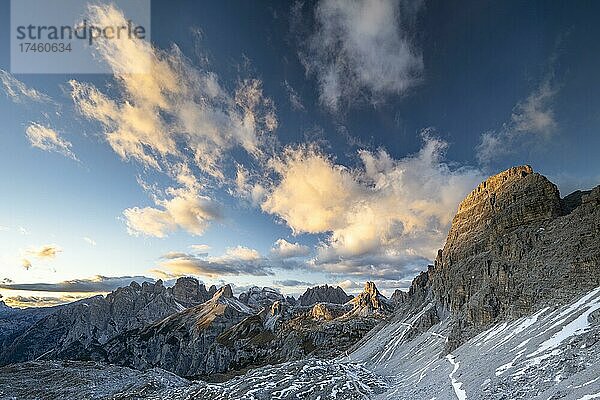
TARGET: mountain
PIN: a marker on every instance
(509, 309)
(370, 303)
(181, 342)
(324, 294)
(68, 331)
(258, 298)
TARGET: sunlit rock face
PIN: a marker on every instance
(513, 246)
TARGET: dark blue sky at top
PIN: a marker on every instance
(480, 59)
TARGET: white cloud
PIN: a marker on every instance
(186, 209)
(238, 260)
(18, 92)
(48, 139)
(48, 252)
(200, 248)
(295, 100)
(172, 118)
(284, 249)
(362, 48)
(381, 219)
(172, 108)
(248, 186)
(531, 121)
(89, 241)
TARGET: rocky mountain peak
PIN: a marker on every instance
(370, 302)
(324, 294)
(188, 291)
(513, 245)
(224, 292)
(256, 297)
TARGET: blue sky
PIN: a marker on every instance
(341, 139)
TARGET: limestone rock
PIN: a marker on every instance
(324, 294)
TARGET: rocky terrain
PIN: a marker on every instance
(510, 309)
(68, 332)
(224, 336)
(324, 294)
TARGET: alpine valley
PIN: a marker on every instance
(510, 309)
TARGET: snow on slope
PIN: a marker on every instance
(554, 353)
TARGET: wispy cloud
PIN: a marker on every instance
(362, 49)
(238, 260)
(200, 248)
(175, 115)
(43, 253)
(295, 100)
(48, 139)
(531, 121)
(18, 92)
(89, 241)
(48, 252)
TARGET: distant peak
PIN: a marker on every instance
(225, 291)
(371, 289)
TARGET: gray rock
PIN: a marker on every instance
(324, 294)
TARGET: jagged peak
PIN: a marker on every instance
(225, 292)
(494, 183)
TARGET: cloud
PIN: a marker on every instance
(43, 253)
(284, 249)
(47, 252)
(531, 120)
(292, 283)
(381, 219)
(96, 284)
(173, 107)
(349, 285)
(18, 92)
(186, 209)
(25, 263)
(4, 228)
(295, 100)
(362, 49)
(89, 241)
(200, 248)
(248, 187)
(48, 139)
(238, 260)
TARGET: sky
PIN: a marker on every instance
(285, 144)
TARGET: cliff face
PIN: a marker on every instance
(324, 294)
(70, 330)
(513, 246)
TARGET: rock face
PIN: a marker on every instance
(224, 335)
(258, 298)
(513, 247)
(370, 302)
(324, 294)
(69, 331)
(181, 342)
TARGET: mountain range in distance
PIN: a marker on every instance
(518, 280)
